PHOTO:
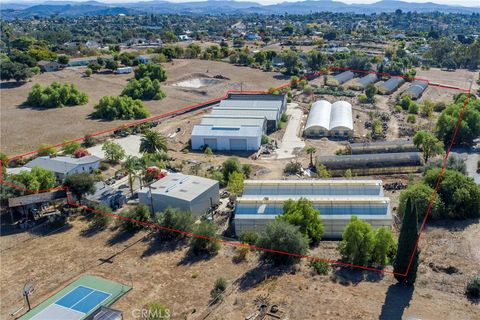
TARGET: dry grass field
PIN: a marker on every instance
(23, 128)
(167, 273)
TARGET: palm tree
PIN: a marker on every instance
(311, 151)
(153, 142)
(131, 165)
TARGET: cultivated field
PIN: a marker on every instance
(168, 274)
(23, 128)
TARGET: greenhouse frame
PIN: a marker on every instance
(337, 201)
(339, 79)
(416, 89)
(364, 82)
(390, 85)
(327, 119)
(375, 163)
(382, 147)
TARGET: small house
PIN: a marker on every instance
(64, 166)
(48, 66)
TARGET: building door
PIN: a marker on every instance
(238, 144)
(211, 143)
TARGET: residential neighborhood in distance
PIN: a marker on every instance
(241, 160)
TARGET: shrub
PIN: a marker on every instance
(413, 108)
(100, 221)
(104, 166)
(322, 171)
(439, 106)
(293, 168)
(284, 117)
(282, 236)
(248, 236)
(152, 71)
(81, 152)
(207, 245)
(411, 118)
(265, 139)
(113, 151)
(384, 248)
(144, 89)
(362, 98)
(56, 96)
(236, 183)
(157, 311)
(133, 216)
(302, 214)
(46, 149)
(320, 267)
(120, 108)
(218, 289)
(70, 147)
(247, 170)
(357, 242)
(473, 288)
(56, 221)
(241, 253)
(230, 165)
(175, 219)
(89, 141)
(420, 194)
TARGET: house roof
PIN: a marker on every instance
(61, 164)
(180, 186)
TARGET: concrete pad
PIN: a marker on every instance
(291, 139)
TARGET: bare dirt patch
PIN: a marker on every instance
(24, 128)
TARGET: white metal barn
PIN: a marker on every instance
(337, 201)
(326, 119)
(232, 138)
(185, 192)
(235, 120)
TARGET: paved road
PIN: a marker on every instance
(291, 140)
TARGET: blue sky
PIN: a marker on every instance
(469, 3)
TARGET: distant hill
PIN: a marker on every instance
(13, 10)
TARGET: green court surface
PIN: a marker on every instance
(78, 300)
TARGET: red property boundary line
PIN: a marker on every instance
(155, 226)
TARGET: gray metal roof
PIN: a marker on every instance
(368, 79)
(227, 131)
(383, 147)
(253, 104)
(234, 120)
(391, 84)
(61, 164)
(344, 76)
(376, 160)
(416, 88)
(180, 186)
(270, 114)
(256, 96)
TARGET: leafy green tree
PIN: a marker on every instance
(134, 217)
(385, 247)
(291, 61)
(111, 65)
(235, 182)
(406, 247)
(469, 128)
(247, 170)
(152, 71)
(460, 194)
(207, 243)
(370, 92)
(428, 144)
(175, 219)
(113, 151)
(120, 108)
(358, 241)
(37, 179)
(230, 165)
(56, 95)
(282, 236)
(94, 66)
(144, 89)
(302, 214)
(153, 142)
(316, 59)
(63, 59)
(46, 149)
(4, 162)
(70, 148)
(322, 171)
(80, 184)
(14, 70)
(420, 194)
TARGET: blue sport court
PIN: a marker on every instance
(78, 300)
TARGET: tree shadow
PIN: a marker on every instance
(120, 236)
(91, 231)
(11, 84)
(397, 298)
(191, 258)
(453, 225)
(281, 77)
(350, 276)
(158, 245)
(260, 273)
